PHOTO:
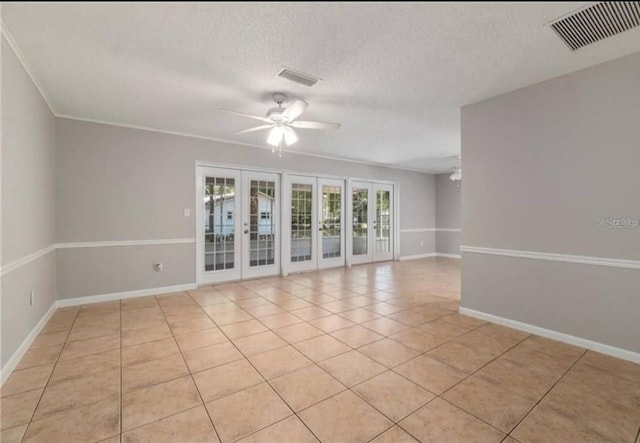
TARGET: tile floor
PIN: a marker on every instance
(371, 354)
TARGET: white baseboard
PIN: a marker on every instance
(123, 295)
(415, 257)
(440, 254)
(24, 347)
(559, 336)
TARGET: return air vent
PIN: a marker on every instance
(597, 22)
(298, 77)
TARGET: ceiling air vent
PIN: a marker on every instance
(596, 22)
(298, 77)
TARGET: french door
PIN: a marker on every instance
(372, 222)
(316, 223)
(237, 224)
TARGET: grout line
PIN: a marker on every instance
(75, 317)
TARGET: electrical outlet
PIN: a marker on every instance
(31, 298)
(157, 267)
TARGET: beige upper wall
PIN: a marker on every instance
(118, 183)
(543, 163)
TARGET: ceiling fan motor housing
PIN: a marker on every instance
(275, 114)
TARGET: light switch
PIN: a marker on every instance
(187, 212)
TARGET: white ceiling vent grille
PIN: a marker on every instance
(298, 77)
(597, 22)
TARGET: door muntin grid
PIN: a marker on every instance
(301, 222)
(360, 207)
(262, 223)
(383, 221)
(331, 221)
(219, 223)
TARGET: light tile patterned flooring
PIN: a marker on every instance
(369, 354)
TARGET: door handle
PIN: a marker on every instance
(246, 231)
(319, 229)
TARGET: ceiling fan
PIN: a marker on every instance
(282, 121)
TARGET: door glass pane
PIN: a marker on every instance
(331, 221)
(219, 225)
(383, 221)
(360, 221)
(262, 224)
(301, 211)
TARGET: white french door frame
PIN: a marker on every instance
(382, 255)
(368, 257)
(300, 266)
(284, 264)
(331, 262)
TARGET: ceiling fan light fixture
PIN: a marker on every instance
(290, 136)
(275, 136)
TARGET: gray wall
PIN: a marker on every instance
(541, 164)
(118, 183)
(28, 201)
(448, 214)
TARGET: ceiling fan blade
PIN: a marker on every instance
(315, 125)
(244, 114)
(255, 128)
(294, 110)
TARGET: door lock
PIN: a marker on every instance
(246, 231)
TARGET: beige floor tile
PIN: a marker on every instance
(87, 365)
(394, 435)
(190, 426)
(138, 303)
(306, 386)
(92, 423)
(265, 310)
(138, 336)
(393, 395)
(280, 320)
(359, 315)
(150, 404)
(356, 336)
(200, 339)
(295, 304)
(385, 326)
(440, 421)
(311, 313)
(240, 414)
(279, 361)
(298, 332)
(39, 357)
(463, 320)
(417, 339)
(411, 318)
(149, 351)
(587, 378)
(352, 368)
(192, 324)
(18, 409)
(614, 366)
(344, 418)
(91, 346)
(26, 380)
(259, 343)
(152, 372)
(211, 356)
(79, 391)
(322, 347)
(243, 328)
(519, 379)
(289, 430)
(13, 435)
(431, 374)
(44, 340)
(92, 331)
(544, 425)
(226, 379)
(384, 308)
(490, 402)
(538, 362)
(460, 356)
(441, 328)
(228, 317)
(144, 322)
(331, 323)
(612, 420)
(554, 348)
(388, 352)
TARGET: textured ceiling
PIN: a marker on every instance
(394, 74)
